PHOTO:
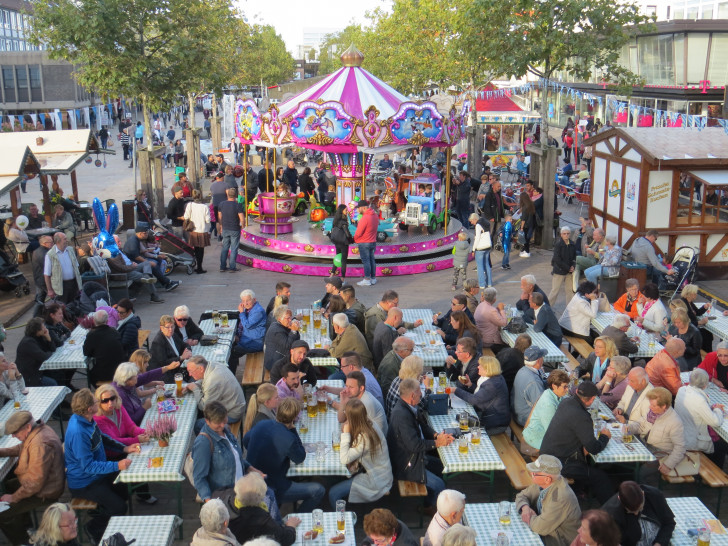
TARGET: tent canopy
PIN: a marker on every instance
(57, 152)
(501, 110)
(18, 160)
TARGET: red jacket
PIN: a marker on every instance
(366, 229)
(664, 371)
(710, 364)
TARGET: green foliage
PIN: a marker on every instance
(263, 57)
(335, 44)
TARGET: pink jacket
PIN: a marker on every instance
(488, 319)
(127, 432)
(366, 229)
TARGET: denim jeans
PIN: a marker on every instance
(482, 261)
(592, 273)
(435, 486)
(339, 491)
(230, 242)
(506, 254)
(309, 493)
(366, 252)
(462, 209)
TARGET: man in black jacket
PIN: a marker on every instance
(528, 287)
(638, 508)
(459, 302)
(617, 331)
(46, 242)
(543, 318)
(493, 207)
(465, 361)
(290, 176)
(176, 211)
(563, 262)
(266, 179)
(103, 343)
(410, 439)
(166, 348)
(297, 357)
(570, 437)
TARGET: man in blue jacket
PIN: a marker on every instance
(251, 327)
(543, 318)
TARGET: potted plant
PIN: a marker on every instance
(162, 429)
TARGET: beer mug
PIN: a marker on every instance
(317, 517)
(463, 445)
(312, 405)
(475, 434)
(464, 421)
(320, 452)
(303, 423)
(504, 513)
(178, 383)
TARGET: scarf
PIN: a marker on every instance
(599, 368)
(651, 417)
(240, 505)
(124, 321)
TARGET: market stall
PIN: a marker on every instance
(505, 124)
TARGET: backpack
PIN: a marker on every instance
(117, 539)
(516, 326)
(188, 468)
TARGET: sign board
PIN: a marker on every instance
(105, 118)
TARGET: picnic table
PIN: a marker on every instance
(329, 528)
(686, 509)
(484, 518)
(718, 326)
(220, 351)
(648, 345)
(539, 339)
(144, 530)
(617, 451)
(69, 355)
(433, 354)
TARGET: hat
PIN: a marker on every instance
(336, 281)
(17, 421)
(362, 203)
(140, 229)
(238, 171)
(587, 389)
(545, 464)
(299, 343)
(534, 352)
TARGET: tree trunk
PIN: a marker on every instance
(191, 115)
(215, 129)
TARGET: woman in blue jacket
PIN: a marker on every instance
(90, 476)
(489, 396)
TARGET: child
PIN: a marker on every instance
(461, 251)
(283, 191)
(506, 233)
(330, 196)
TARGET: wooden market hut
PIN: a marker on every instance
(674, 180)
(18, 162)
(504, 123)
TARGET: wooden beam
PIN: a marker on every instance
(46, 199)
(74, 186)
(717, 248)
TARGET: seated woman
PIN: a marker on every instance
(168, 349)
(58, 527)
(697, 414)
(462, 326)
(34, 349)
(261, 406)
(89, 474)
(557, 386)
(113, 420)
(627, 303)
(642, 514)
(214, 518)
(716, 364)
(19, 238)
(53, 316)
(614, 381)
(489, 396)
(662, 432)
(610, 260)
(583, 307)
(382, 527)
(651, 314)
(596, 364)
(597, 529)
(129, 385)
(11, 380)
(681, 327)
(250, 517)
(362, 444)
(128, 326)
(696, 314)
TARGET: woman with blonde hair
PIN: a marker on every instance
(130, 378)
(198, 213)
(596, 364)
(682, 327)
(113, 420)
(58, 527)
(261, 406)
(411, 368)
(489, 396)
(364, 451)
(697, 315)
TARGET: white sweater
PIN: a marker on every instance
(578, 314)
(693, 407)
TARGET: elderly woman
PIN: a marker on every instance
(459, 535)
(35, 348)
(58, 527)
(199, 214)
(614, 382)
(129, 385)
(261, 406)
(557, 386)
(11, 380)
(113, 420)
(609, 260)
(663, 433)
(470, 291)
(697, 414)
(280, 336)
(689, 294)
(490, 318)
(128, 326)
(250, 517)
(168, 349)
(489, 396)
(682, 328)
(53, 316)
(651, 314)
(185, 328)
(583, 307)
(716, 364)
(411, 368)
(382, 527)
(596, 364)
(90, 475)
(627, 302)
(19, 238)
(214, 518)
(63, 221)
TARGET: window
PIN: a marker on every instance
(679, 11)
(650, 10)
(718, 62)
(723, 10)
(701, 204)
(707, 12)
(693, 8)
(36, 90)
(697, 56)
(9, 83)
(21, 75)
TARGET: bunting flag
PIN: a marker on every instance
(42, 119)
(87, 115)
(58, 121)
(12, 122)
(72, 120)
(34, 118)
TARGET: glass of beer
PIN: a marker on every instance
(178, 382)
(16, 401)
(429, 380)
(442, 377)
(464, 421)
(317, 319)
(312, 406)
(475, 434)
(224, 319)
(704, 536)
(626, 435)
(322, 401)
(336, 440)
(216, 318)
(340, 515)
(317, 517)
(160, 394)
(463, 445)
(504, 513)
(303, 423)
(307, 316)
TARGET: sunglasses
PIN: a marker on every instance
(182, 319)
(107, 400)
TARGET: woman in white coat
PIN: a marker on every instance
(651, 314)
(697, 414)
(362, 445)
(583, 307)
(199, 214)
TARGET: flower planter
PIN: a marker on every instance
(163, 443)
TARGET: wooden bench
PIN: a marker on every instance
(142, 337)
(582, 347)
(81, 506)
(527, 450)
(412, 489)
(254, 370)
(515, 465)
(713, 476)
(571, 364)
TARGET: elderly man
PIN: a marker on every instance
(634, 405)
(351, 362)
(185, 328)
(489, 319)
(570, 438)
(378, 313)
(529, 384)
(60, 270)
(549, 506)
(39, 475)
(280, 336)
(355, 387)
(590, 257)
(355, 309)
(563, 262)
(543, 318)
(166, 348)
(614, 382)
(215, 382)
(528, 286)
(450, 509)
(251, 325)
(11, 380)
(297, 357)
(663, 369)
(103, 344)
(465, 361)
(385, 334)
(289, 385)
(349, 338)
(643, 251)
(389, 367)
(38, 261)
(411, 440)
(617, 332)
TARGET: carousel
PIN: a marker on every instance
(351, 116)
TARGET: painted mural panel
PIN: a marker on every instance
(658, 200)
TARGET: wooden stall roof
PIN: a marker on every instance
(711, 178)
(18, 159)
(674, 146)
(60, 152)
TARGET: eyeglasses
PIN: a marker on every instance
(72, 524)
(455, 303)
(182, 319)
(168, 327)
(107, 400)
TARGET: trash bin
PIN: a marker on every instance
(631, 270)
(128, 211)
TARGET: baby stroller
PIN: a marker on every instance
(685, 264)
(11, 278)
(517, 238)
(175, 251)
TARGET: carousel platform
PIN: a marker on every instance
(308, 251)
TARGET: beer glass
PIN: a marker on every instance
(463, 445)
(318, 520)
(504, 513)
(178, 382)
(336, 440)
(340, 515)
(475, 434)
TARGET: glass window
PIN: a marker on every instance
(693, 8)
(679, 46)
(697, 56)
(656, 59)
(21, 75)
(718, 62)
(707, 12)
(679, 11)
(723, 10)
(9, 83)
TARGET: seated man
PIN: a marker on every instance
(215, 382)
(349, 338)
(296, 357)
(528, 286)
(135, 272)
(528, 385)
(543, 318)
(591, 255)
(466, 363)
(351, 362)
(354, 308)
(389, 367)
(549, 506)
(355, 387)
(627, 302)
(133, 250)
(289, 385)
(410, 439)
(634, 404)
(272, 446)
(385, 164)
(39, 475)
(643, 251)
(251, 325)
(459, 302)
(450, 510)
(617, 332)
(642, 514)
(103, 344)
(378, 313)
(333, 287)
(663, 368)
(384, 335)
(282, 289)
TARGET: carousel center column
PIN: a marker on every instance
(350, 169)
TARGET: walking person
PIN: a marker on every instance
(528, 222)
(104, 137)
(229, 221)
(481, 247)
(341, 237)
(462, 197)
(366, 238)
(198, 213)
(124, 139)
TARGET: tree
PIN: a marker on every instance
(264, 58)
(336, 43)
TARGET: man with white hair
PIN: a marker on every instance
(215, 382)
(529, 286)
(60, 270)
(617, 332)
(529, 384)
(251, 325)
(450, 509)
(402, 347)
(385, 334)
(185, 328)
(214, 518)
(349, 338)
(634, 405)
(591, 256)
(103, 344)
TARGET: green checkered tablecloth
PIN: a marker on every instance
(686, 509)
(617, 451)
(312, 335)
(483, 518)
(41, 402)
(326, 361)
(479, 458)
(329, 528)
(602, 320)
(539, 339)
(70, 354)
(718, 326)
(221, 350)
(433, 355)
(146, 530)
(174, 454)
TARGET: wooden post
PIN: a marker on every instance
(46, 198)
(548, 185)
(16, 201)
(74, 185)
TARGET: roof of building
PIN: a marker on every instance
(17, 160)
(57, 152)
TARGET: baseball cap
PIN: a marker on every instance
(546, 464)
(299, 343)
(534, 352)
(17, 421)
(587, 389)
(336, 281)
(363, 203)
